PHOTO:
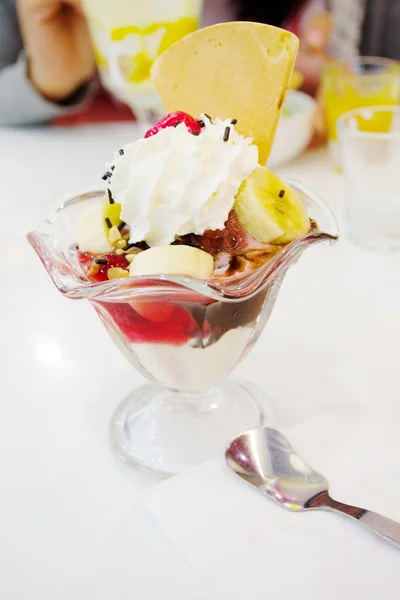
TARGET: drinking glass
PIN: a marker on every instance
(128, 35)
(361, 81)
(184, 335)
(370, 156)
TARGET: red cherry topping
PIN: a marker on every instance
(231, 239)
(113, 260)
(173, 119)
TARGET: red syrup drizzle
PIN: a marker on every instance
(139, 321)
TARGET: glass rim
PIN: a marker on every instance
(342, 127)
(366, 60)
(55, 261)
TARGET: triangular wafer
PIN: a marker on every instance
(239, 70)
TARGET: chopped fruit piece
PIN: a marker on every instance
(93, 269)
(120, 245)
(136, 328)
(231, 239)
(117, 273)
(158, 312)
(100, 271)
(172, 120)
(111, 211)
(205, 71)
(115, 235)
(95, 225)
(269, 209)
(173, 260)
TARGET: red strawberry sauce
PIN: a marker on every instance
(140, 320)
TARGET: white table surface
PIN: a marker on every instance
(67, 522)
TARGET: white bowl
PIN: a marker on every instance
(294, 130)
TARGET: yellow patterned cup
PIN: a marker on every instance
(128, 35)
(359, 82)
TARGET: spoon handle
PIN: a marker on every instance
(388, 529)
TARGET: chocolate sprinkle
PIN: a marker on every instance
(281, 193)
(121, 152)
(234, 121)
(112, 168)
(208, 117)
(226, 133)
(201, 122)
(195, 132)
(121, 226)
(106, 175)
(108, 223)
(101, 261)
(110, 198)
(128, 246)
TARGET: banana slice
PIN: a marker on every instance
(94, 226)
(92, 235)
(269, 209)
(173, 260)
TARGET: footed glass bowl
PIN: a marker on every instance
(184, 335)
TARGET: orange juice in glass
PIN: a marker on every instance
(359, 82)
(128, 35)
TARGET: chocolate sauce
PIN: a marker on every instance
(237, 264)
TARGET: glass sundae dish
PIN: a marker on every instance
(182, 255)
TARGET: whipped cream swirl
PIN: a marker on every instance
(175, 183)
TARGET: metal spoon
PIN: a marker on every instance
(264, 458)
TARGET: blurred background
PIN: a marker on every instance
(85, 61)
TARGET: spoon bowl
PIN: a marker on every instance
(265, 458)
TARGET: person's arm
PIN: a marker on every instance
(53, 75)
(10, 39)
(22, 104)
